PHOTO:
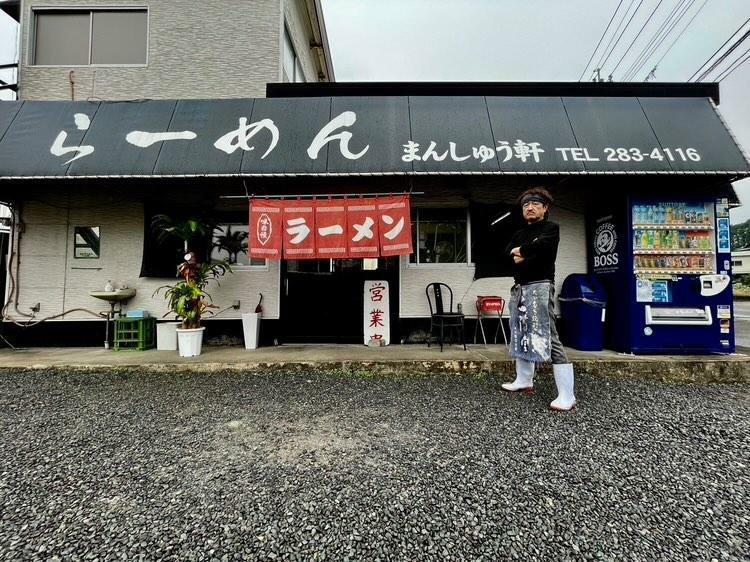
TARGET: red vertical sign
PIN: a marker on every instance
(265, 240)
(299, 230)
(395, 226)
(330, 229)
(362, 232)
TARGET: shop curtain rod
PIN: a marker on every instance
(321, 196)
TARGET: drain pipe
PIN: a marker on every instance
(16, 229)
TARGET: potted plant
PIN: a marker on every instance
(189, 301)
(187, 298)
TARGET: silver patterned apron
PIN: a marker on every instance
(530, 337)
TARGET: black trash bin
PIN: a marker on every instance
(583, 303)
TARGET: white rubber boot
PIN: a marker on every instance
(565, 400)
(524, 378)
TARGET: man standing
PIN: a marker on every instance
(534, 338)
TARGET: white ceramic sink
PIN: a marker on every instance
(114, 296)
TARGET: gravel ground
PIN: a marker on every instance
(230, 466)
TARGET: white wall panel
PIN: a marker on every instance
(61, 283)
(571, 258)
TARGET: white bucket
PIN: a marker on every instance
(190, 341)
(251, 329)
(166, 336)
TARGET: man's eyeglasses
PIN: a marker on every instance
(532, 204)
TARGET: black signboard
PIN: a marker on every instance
(366, 135)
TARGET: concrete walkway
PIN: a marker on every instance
(394, 359)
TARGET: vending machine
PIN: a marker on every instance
(666, 266)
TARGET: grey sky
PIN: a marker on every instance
(497, 40)
(8, 41)
(518, 40)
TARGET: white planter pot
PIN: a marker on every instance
(190, 341)
(166, 336)
(250, 329)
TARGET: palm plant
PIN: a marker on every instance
(233, 243)
(188, 230)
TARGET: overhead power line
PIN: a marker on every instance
(669, 23)
(629, 72)
(637, 35)
(717, 50)
(684, 29)
(614, 35)
(600, 40)
(723, 57)
(734, 66)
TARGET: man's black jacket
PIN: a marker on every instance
(538, 242)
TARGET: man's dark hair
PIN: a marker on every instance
(537, 192)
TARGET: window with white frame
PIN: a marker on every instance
(229, 243)
(291, 64)
(90, 37)
(440, 236)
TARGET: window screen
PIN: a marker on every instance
(118, 37)
(82, 37)
(62, 38)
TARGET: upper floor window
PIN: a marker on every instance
(291, 63)
(89, 37)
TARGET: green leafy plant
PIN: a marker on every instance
(188, 299)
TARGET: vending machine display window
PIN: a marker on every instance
(674, 238)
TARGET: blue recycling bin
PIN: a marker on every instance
(583, 303)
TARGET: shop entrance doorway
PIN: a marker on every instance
(322, 301)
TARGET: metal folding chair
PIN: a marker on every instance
(490, 307)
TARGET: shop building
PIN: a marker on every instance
(741, 261)
(467, 156)
(85, 178)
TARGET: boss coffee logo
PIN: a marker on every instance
(605, 244)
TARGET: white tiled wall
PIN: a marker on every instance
(48, 274)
